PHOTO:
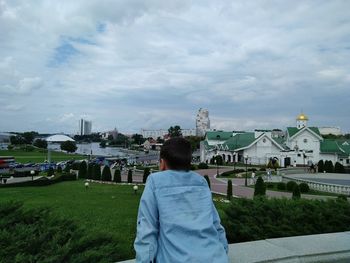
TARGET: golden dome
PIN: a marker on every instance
(302, 117)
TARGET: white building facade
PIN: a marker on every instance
(202, 122)
(300, 146)
(85, 127)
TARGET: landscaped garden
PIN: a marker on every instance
(97, 223)
(34, 155)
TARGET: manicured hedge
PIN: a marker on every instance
(261, 218)
(43, 181)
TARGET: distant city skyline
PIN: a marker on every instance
(152, 65)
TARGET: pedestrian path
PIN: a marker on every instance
(219, 186)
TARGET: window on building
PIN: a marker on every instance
(299, 155)
(347, 161)
(305, 140)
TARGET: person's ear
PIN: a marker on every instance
(162, 165)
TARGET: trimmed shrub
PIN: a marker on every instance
(270, 185)
(130, 176)
(193, 167)
(262, 169)
(146, 173)
(339, 168)
(37, 235)
(96, 172)
(203, 166)
(90, 171)
(229, 190)
(106, 174)
(291, 185)
(248, 220)
(328, 167)
(296, 192)
(67, 168)
(304, 187)
(260, 187)
(281, 186)
(83, 170)
(59, 169)
(320, 166)
(117, 176)
(206, 177)
(342, 198)
(50, 171)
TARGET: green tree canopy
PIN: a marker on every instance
(40, 143)
(69, 146)
(174, 131)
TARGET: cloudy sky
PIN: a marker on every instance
(151, 64)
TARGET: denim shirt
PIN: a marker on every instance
(177, 221)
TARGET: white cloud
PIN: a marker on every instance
(246, 59)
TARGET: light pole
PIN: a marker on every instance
(32, 172)
(246, 169)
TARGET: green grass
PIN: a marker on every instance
(38, 156)
(101, 208)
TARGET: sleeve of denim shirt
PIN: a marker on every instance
(220, 229)
(147, 226)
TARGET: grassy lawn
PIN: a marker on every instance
(38, 156)
(102, 208)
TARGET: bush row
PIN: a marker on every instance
(261, 218)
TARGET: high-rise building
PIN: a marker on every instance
(85, 127)
(202, 122)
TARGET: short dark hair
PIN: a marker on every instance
(177, 153)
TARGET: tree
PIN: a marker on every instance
(296, 192)
(206, 177)
(130, 176)
(106, 174)
(103, 144)
(195, 142)
(83, 170)
(146, 173)
(320, 166)
(29, 136)
(117, 176)
(175, 131)
(96, 172)
(17, 140)
(40, 143)
(229, 190)
(138, 139)
(69, 146)
(260, 187)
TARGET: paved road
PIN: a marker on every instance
(219, 186)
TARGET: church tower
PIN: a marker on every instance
(302, 121)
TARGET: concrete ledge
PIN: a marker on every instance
(334, 247)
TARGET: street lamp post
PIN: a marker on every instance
(246, 169)
(32, 172)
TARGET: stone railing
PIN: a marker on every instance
(334, 247)
(323, 187)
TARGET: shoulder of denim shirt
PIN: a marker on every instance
(176, 178)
